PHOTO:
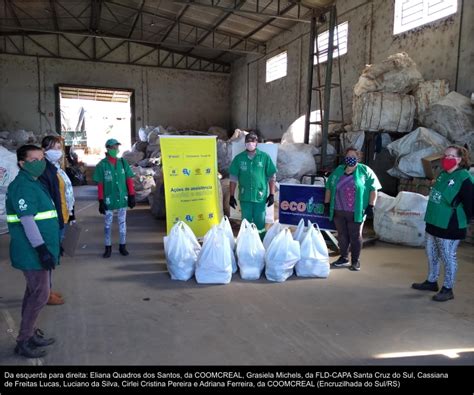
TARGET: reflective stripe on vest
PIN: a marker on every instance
(38, 217)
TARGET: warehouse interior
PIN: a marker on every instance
(90, 70)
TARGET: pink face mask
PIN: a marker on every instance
(251, 146)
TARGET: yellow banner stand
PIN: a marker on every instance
(190, 178)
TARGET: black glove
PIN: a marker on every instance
(369, 211)
(131, 201)
(233, 202)
(102, 207)
(270, 200)
(47, 260)
(327, 209)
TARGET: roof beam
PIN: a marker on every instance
(236, 10)
(137, 16)
(96, 7)
(9, 3)
(52, 6)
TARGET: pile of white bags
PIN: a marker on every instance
(281, 256)
(400, 220)
(181, 251)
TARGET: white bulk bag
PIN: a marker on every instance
(181, 251)
(271, 234)
(250, 253)
(281, 256)
(314, 260)
(214, 264)
(400, 220)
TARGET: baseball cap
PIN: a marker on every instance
(251, 137)
(111, 142)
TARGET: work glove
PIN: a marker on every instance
(233, 202)
(369, 211)
(270, 200)
(102, 207)
(327, 209)
(131, 201)
(47, 260)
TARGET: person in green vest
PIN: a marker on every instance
(34, 244)
(114, 179)
(447, 217)
(351, 192)
(255, 172)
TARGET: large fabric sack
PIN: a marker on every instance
(8, 172)
(281, 257)
(390, 112)
(400, 220)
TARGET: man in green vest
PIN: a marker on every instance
(34, 244)
(114, 180)
(255, 172)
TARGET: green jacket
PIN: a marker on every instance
(114, 179)
(253, 175)
(27, 196)
(365, 182)
(439, 210)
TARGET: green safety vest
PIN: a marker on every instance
(365, 181)
(27, 196)
(114, 179)
(440, 209)
(253, 175)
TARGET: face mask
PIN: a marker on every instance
(35, 168)
(251, 146)
(448, 163)
(350, 161)
(112, 152)
(53, 155)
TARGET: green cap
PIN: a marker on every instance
(111, 142)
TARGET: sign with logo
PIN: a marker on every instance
(303, 201)
(191, 183)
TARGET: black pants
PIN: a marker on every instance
(349, 233)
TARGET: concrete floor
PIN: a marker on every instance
(127, 310)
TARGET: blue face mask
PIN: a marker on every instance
(350, 161)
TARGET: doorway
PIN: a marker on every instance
(88, 116)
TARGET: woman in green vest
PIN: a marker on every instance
(351, 191)
(447, 216)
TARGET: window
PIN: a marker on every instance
(276, 67)
(413, 13)
(339, 42)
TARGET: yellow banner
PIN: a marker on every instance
(190, 177)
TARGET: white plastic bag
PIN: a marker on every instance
(181, 251)
(214, 264)
(271, 234)
(227, 228)
(281, 256)
(300, 231)
(314, 260)
(243, 226)
(250, 253)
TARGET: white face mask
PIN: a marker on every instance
(251, 146)
(53, 155)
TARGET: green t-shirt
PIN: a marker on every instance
(114, 179)
(27, 196)
(253, 175)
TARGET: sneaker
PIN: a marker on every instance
(426, 286)
(27, 350)
(444, 295)
(38, 339)
(355, 266)
(341, 262)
